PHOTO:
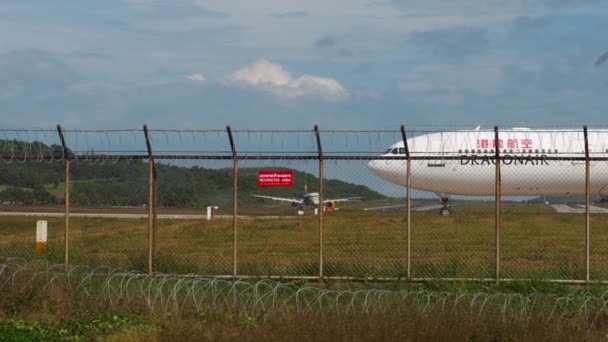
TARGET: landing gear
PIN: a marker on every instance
(445, 209)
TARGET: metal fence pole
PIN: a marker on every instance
(321, 197)
(587, 207)
(235, 186)
(66, 232)
(154, 208)
(408, 229)
(498, 192)
(151, 202)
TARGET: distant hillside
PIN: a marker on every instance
(20, 148)
(118, 183)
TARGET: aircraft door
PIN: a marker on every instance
(436, 149)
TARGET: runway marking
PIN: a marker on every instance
(136, 216)
(578, 209)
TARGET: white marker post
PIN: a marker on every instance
(41, 236)
(209, 212)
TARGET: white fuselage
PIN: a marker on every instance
(311, 198)
(520, 174)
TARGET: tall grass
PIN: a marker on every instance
(536, 242)
(215, 308)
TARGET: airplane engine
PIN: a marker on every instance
(331, 204)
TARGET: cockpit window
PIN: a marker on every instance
(401, 150)
(395, 151)
(388, 151)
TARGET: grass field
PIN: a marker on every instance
(41, 303)
(536, 242)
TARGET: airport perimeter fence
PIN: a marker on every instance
(199, 202)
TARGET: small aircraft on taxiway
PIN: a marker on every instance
(310, 199)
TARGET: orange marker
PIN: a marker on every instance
(41, 236)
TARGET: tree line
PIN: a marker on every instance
(125, 183)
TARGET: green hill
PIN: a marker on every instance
(125, 183)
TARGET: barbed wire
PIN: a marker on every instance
(189, 182)
(168, 296)
(103, 145)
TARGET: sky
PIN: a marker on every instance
(270, 64)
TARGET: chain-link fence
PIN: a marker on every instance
(306, 204)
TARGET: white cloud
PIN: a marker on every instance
(262, 73)
(197, 77)
(273, 78)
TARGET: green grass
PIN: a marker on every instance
(58, 189)
(72, 329)
(536, 243)
(40, 304)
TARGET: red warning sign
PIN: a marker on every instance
(275, 178)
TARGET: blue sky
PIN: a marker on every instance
(277, 64)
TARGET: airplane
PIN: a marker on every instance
(310, 199)
(520, 174)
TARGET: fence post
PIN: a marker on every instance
(66, 233)
(152, 202)
(408, 185)
(235, 179)
(587, 207)
(497, 194)
(321, 197)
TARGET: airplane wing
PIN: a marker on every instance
(290, 200)
(426, 207)
(342, 199)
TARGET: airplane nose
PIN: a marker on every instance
(390, 170)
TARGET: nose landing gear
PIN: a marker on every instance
(445, 209)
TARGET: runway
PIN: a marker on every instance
(135, 216)
(578, 209)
